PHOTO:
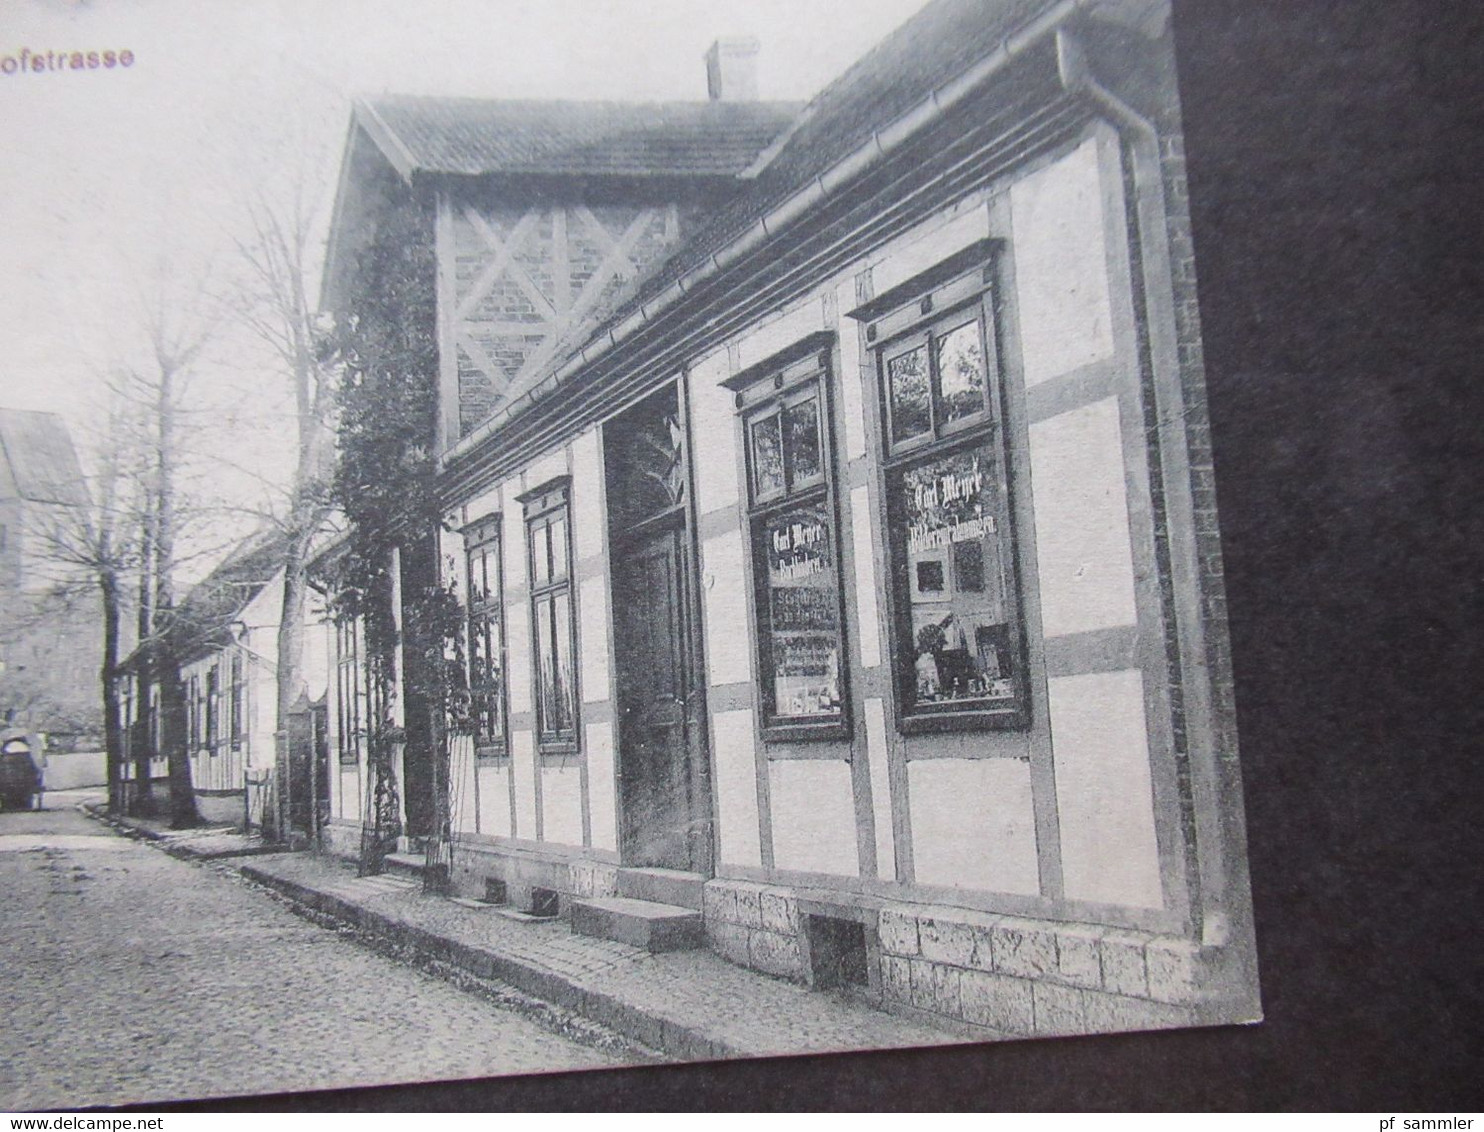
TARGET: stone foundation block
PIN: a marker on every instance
(944, 941)
(935, 987)
(898, 932)
(997, 1001)
(1173, 967)
(1106, 1013)
(1123, 963)
(1058, 1009)
(896, 979)
(592, 879)
(775, 954)
(749, 904)
(728, 940)
(1078, 958)
(719, 902)
(1023, 948)
(780, 913)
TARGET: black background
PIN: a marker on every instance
(1334, 156)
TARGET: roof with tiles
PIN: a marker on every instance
(43, 462)
(940, 42)
(470, 136)
(943, 40)
(202, 622)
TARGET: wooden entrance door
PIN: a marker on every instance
(664, 819)
(664, 787)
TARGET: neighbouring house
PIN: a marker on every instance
(828, 493)
(225, 637)
(51, 638)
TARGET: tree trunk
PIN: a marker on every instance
(289, 669)
(113, 732)
(183, 811)
(141, 800)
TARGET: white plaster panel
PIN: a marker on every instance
(865, 576)
(587, 496)
(348, 795)
(515, 544)
(315, 665)
(917, 252)
(547, 467)
(852, 375)
(973, 824)
(518, 655)
(723, 582)
(485, 503)
(494, 800)
(876, 759)
(1061, 268)
(461, 778)
(561, 805)
(812, 807)
(592, 608)
(713, 423)
(733, 750)
(1104, 796)
(523, 768)
(1084, 547)
(782, 332)
(601, 786)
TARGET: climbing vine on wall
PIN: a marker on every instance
(385, 485)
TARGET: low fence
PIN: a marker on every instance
(75, 770)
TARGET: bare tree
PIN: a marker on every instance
(96, 545)
(157, 389)
(280, 311)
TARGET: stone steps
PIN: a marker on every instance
(407, 864)
(662, 886)
(648, 924)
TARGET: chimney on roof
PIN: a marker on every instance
(731, 70)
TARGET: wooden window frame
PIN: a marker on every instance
(350, 723)
(213, 706)
(237, 702)
(543, 506)
(920, 312)
(793, 376)
(488, 610)
(193, 724)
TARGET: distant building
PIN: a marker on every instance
(51, 647)
(224, 635)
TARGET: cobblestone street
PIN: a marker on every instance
(133, 976)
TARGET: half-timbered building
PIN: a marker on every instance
(828, 494)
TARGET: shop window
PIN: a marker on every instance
(957, 640)
(794, 535)
(486, 652)
(554, 635)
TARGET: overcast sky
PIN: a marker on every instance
(106, 174)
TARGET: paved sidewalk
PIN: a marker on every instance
(692, 1005)
(203, 842)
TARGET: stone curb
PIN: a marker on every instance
(169, 842)
(639, 1023)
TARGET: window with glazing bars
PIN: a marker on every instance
(553, 631)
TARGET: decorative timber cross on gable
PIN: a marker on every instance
(515, 283)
